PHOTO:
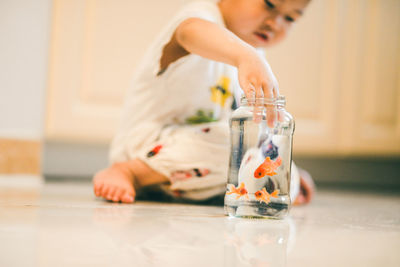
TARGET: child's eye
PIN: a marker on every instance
(269, 4)
(290, 19)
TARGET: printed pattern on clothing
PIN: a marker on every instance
(185, 175)
(220, 92)
(201, 117)
(154, 151)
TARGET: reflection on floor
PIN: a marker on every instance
(59, 224)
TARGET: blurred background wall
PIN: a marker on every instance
(73, 60)
(24, 50)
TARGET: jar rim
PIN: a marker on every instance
(279, 100)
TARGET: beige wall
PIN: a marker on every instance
(24, 44)
(339, 69)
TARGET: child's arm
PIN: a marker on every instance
(212, 41)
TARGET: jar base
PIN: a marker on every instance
(256, 210)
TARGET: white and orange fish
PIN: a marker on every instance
(268, 167)
(264, 196)
(240, 191)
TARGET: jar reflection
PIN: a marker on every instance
(258, 242)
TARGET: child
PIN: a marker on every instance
(174, 131)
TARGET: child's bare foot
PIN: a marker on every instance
(121, 181)
(115, 183)
(307, 188)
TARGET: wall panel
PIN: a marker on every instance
(339, 69)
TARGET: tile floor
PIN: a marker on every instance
(58, 224)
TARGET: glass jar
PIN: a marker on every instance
(260, 161)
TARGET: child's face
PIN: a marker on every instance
(261, 23)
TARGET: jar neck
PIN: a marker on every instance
(279, 101)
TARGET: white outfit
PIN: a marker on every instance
(161, 110)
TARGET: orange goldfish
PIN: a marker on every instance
(268, 167)
(240, 191)
(264, 196)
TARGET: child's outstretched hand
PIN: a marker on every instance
(257, 81)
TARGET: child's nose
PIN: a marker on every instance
(274, 21)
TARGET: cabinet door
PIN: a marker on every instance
(340, 71)
(95, 46)
(370, 77)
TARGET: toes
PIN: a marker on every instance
(97, 189)
(104, 191)
(110, 193)
(115, 191)
(127, 198)
(116, 197)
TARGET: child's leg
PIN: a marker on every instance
(120, 181)
(307, 188)
(192, 160)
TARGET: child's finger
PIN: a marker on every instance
(249, 92)
(271, 115)
(275, 90)
(280, 116)
(258, 90)
(258, 105)
(268, 90)
(251, 95)
(271, 109)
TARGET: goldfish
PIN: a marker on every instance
(264, 196)
(268, 167)
(240, 191)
